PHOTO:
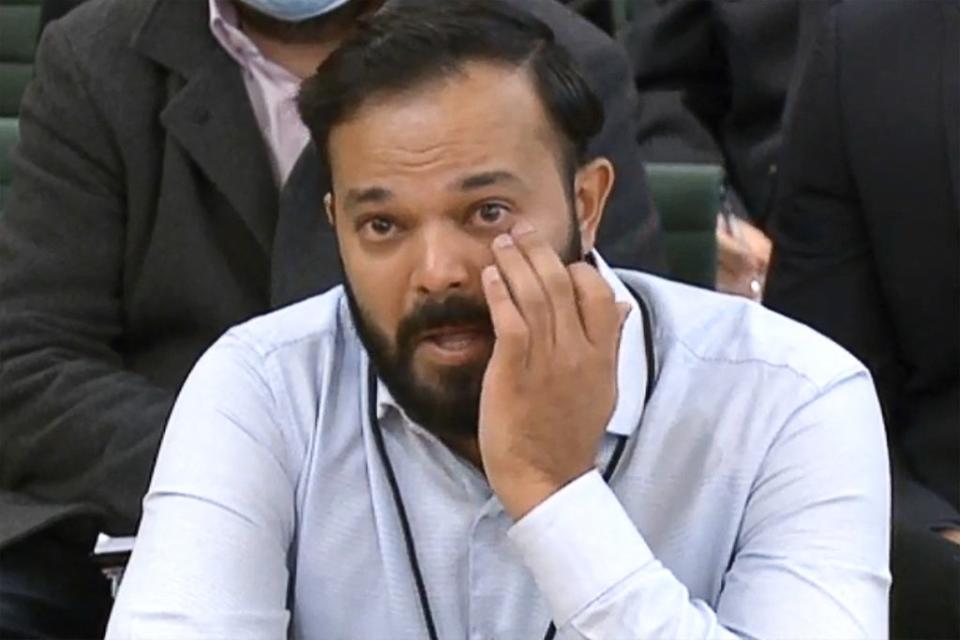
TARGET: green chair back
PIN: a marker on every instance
(8, 138)
(688, 198)
(622, 11)
(19, 22)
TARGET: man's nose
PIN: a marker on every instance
(443, 261)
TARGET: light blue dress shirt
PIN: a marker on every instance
(752, 499)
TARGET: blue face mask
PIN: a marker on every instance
(294, 10)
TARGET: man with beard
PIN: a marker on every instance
(164, 189)
(487, 432)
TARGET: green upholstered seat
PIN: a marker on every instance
(8, 137)
(622, 11)
(19, 22)
(688, 198)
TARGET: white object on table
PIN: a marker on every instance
(111, 553)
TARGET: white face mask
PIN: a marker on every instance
(294, 10)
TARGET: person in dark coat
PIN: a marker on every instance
(51, 10)
(713, 78)
(146, 217)
(867, 237)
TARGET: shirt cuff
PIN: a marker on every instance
(579, 543)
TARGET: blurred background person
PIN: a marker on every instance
(713, 77)
(866, 231)
(164, 190)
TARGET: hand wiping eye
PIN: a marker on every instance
(555, 327)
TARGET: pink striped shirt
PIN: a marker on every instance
(272, 90)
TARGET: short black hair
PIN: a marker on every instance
(413, 42)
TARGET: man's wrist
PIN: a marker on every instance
(572, 563)
(521, 493)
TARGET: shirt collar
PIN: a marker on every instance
(631, 364)
(225, 27)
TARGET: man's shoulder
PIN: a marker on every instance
(317, 322)
(102, 26)
(118, 43)
(714, 328)
(94, 44)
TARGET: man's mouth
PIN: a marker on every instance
(456, 341)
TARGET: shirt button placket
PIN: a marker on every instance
(482, 591)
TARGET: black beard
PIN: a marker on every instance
(451, 409)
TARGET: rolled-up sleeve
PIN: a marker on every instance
(811, 558)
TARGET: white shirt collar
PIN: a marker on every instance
(631, 365)
(225, 27)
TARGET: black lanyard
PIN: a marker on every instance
(398, 498)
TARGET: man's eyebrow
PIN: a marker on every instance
(370, 195)
(485, 179)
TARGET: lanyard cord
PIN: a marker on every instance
(398, 501)
(395, 487)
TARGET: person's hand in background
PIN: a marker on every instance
(953, 535)
(743, 254)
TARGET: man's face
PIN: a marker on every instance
(422, 184)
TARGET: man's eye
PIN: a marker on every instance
(491, 213)
(380, 226)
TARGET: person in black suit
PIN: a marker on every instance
(144, 220)
(713, 78)
(867, 246)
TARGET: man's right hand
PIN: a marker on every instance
(550, 386)
(743, 254)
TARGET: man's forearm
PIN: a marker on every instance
(597, 573)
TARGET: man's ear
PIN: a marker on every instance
(328, 205)
(592, 186)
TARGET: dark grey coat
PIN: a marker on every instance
(867, 227)
(143, 223)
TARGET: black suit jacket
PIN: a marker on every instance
(143, 223)
(867, 226)
(713, 77)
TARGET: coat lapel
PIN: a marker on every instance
(212, 119)
(209, 112)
